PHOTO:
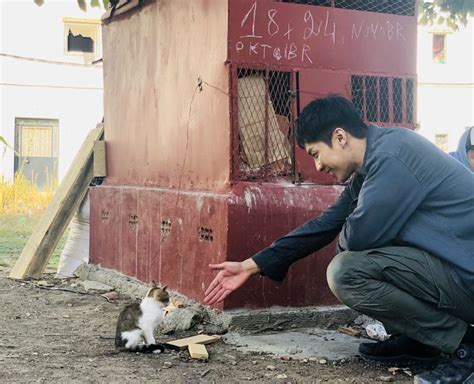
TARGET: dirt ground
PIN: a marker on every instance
(56, 333)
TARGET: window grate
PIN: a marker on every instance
(410, 101)
(394, 7)
(380, 99)
(264, 117)
(397, 100)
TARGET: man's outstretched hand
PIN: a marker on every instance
(231, 276)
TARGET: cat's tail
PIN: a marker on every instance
(142, 348)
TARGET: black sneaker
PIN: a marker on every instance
(457, 372)
(399, 349)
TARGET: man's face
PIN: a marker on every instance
(334, 160)
(470, 158)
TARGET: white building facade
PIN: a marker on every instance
(445, 103)
(51, 91)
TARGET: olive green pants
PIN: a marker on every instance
(410, 291)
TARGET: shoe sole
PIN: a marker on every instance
(419, 380)
(400, 358)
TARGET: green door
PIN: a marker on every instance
(36, 145)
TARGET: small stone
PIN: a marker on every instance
(313, 359)
(386, 378)
(43, 283)
(254, 362)
(69, 305)
(281, 376)
(167, 364)
(233, 362)
(270, 367)
(323, 361)
(285, 357)
(66, 316)
(304, 361)
(293, 350)
(110, 296)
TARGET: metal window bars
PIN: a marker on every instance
(384, 100)
(264, 112)
(394, 7)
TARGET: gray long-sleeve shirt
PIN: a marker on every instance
(408, 193)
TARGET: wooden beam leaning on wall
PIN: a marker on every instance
(99, 159)
(54, 221)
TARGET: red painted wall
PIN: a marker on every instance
(308, 36)
(161, 128)
(128, 235)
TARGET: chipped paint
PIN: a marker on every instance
(248, 199)
(199, 202)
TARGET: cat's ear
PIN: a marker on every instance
(153, 283)
(164, 287)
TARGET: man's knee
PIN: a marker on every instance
(342, 272)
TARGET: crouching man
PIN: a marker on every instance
(406, 238)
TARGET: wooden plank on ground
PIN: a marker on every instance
(198, 339)
(198, 351)
(99, 159)
(349, 331)
(41, 244)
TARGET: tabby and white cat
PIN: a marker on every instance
(137, 322)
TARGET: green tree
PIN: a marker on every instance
(451, 12)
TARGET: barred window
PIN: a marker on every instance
(264, 120)
(394, 7)
(382, 99)
(439, 48)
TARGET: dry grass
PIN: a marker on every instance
(22, 196)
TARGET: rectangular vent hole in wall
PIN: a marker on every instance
(104, 215)
(205, 234)
(165, 227)
(132, 220)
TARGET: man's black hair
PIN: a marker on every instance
(317, 121)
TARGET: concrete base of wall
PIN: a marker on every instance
(198, 316)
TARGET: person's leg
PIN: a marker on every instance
(408, 290)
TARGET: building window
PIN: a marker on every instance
(439, 48)
(36, 150)
(441, 140)
(82, 37)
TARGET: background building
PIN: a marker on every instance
(445, 83)
(50, 90)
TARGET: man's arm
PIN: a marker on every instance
(275, 260)
(389, 196)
